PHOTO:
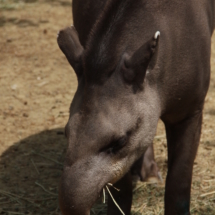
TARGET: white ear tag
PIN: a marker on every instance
(157, 34)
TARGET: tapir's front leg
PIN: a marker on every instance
(122, 197)
(183, 139)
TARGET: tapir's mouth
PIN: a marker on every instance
(104, 190)
(103, 194)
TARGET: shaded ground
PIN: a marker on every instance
(36, 88)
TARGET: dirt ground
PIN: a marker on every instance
(36, 88)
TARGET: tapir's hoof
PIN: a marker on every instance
(150, 172)
(155, 179)
(146, 170)
(146, 167)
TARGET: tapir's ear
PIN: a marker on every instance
(134, 67)
(70, 45)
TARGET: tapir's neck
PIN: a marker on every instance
(112, 12)
(113, 34)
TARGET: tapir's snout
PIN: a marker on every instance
(75, 197)
(80, 187)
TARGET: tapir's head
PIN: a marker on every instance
(112, 119)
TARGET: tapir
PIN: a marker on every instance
(136, 61)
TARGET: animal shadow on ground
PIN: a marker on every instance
(30, 171)
(10, 5)
(18, 22)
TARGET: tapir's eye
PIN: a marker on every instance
(116, 145)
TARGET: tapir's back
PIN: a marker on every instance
(86, 12)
